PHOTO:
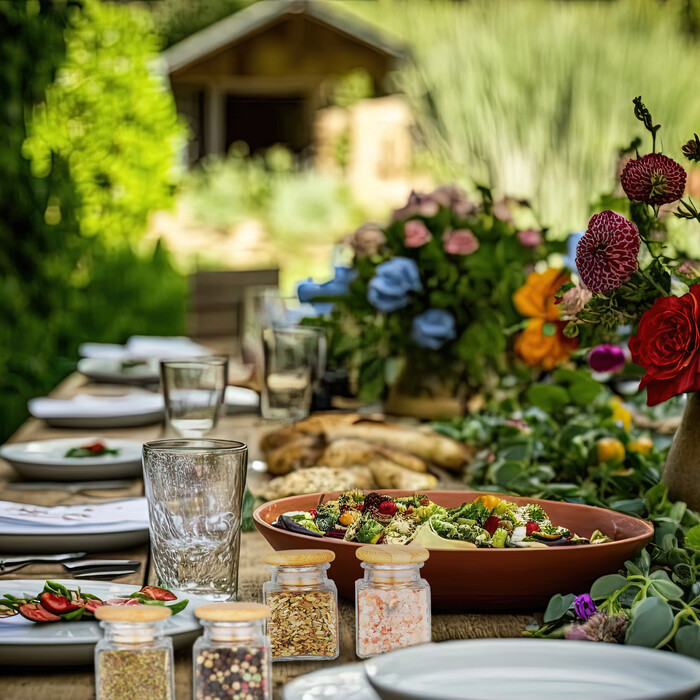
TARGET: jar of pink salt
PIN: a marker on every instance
(392, 601)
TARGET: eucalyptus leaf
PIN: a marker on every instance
(692, 538)
(558, 607)
(652, 620)
(687, 640)
(548, 397)
(607, 585)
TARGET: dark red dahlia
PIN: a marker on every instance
(654, 179)
(607, 253)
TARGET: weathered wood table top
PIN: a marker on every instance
(78, 683)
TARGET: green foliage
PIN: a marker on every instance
(533, 96)
(58, 285)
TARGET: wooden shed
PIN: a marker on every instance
(257, 75)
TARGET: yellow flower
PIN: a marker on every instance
(535, 298)
(610, 450)
(642, 445)
(488, 500)
(620, 413)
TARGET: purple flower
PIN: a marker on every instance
(584, 607)
(606, 358)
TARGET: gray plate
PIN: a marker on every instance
(532, 669)
(109, 539)
(348, 682)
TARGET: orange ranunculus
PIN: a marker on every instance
(537, 349)
(535, 299)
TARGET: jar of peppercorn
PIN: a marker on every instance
(232, 657)
(392, 601)
(134, 659)
(303, 622)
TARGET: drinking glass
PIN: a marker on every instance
(193, 390)
(195, 491)
(289, 368)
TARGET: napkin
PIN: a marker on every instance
(145, 347)
(88, 406)
(27, 516)
(239, 397)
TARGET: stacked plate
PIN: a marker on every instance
(517, 669)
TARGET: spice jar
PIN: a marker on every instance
(232, 658)
(392, 601)
(303, 602)
(134, 660)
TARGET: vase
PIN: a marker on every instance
(426, 388)
(682, 470)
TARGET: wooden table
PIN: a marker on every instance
(77, 684)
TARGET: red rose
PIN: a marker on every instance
(667, 345)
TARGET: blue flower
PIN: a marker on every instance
(570, 257)
(433, 328)
(308, 290)
(393, 280)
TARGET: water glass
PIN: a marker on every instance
(193, 390)
(195, 492)
(288, 375)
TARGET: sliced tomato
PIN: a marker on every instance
(158, 593)
(36, 613)
(95, 447)
(92, 605)
(59, 604)
(491, 524)
(531, 527)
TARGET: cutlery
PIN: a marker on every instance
(87, 565)
(105, 573)
(10, 564)
(75, 487)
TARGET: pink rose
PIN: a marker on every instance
(460, 242)
(418, 204)
(416, 233)
(530, 238)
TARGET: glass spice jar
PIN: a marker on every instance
(134, 659)
(392, 601)
(232, 658)
(303, 622)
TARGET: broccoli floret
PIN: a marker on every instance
(477, 512)
(326, 517)
(535, 512)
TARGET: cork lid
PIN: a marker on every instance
(232, 612)
(132, 613)
(299, 557)
(392, 554)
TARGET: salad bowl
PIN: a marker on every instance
(480, 580)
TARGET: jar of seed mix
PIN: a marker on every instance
(303, 622)
(392, 601)
(134, 659)
(232, 658)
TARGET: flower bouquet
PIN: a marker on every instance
(429, 296)
(629, 276)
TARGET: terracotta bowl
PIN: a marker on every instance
(497, 580)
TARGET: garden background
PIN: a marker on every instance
(531, 97)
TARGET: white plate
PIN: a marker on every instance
(25, 643)
(532, 669)
(348, 682)
(107, 370)
(44, 459)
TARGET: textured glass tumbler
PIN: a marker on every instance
(195, 497)
(193, 391)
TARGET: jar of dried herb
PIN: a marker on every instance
(134, 659)
(392, 601)
(303, 602)
(232, 658)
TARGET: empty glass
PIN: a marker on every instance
(195, 496)
(290, 368)
(193, 390)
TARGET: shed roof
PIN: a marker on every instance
(264, 14)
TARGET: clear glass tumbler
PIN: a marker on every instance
(195, 497)
(193, 390)
(289, 369)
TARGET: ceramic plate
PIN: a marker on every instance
(532, 669)
(508, 580)
(120, 371)
(44, 459)
(24, 643)
(348, 682)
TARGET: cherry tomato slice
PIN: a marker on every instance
(158, 593)
(35, 613)
(58, 604)
(491, 524)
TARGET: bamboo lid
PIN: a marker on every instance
(392, 554)
(299, 557)
(232, 612)
(132, 613)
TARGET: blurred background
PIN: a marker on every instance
(145, 145)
